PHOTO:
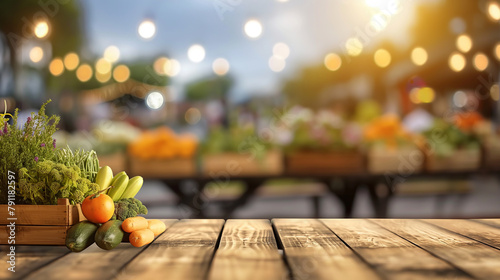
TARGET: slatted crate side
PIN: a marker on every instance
(461, 160)
(117, 161)
(309, 162)
(242, 164)
(395, 160)
(62, 214)
(492, 153)
(162, 168)
(36, 235)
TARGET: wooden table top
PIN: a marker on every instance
(282, 249)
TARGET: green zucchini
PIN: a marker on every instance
(81, 236)
(109, 235)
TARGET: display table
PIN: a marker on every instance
(281, 248)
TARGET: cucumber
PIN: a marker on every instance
(109, 235)
(81, 236)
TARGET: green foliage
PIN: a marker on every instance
(209, 88)
(23, 147)
(47, 181)
(236, 139)
(127, 208)
(445, 138)
(86, 161)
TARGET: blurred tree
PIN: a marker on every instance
(209, 88)
(18, 19)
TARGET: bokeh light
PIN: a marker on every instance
(192, 116)
(84, 72)
(112, 54)
(464, 43)
(36, 54)
(220, 66)
(494, 11)
(196, 53)
(253, 28)
(457, 62)
(426, 95)
(276, 64)
(495, 92)
(41, 29)
(103, 66)
(147, 29)
(480, 61)
(382, 58)
(159, 65)
(419, 56)
(354, 46)
(459, 99)
(71, 61)
(332, 61)
(121, 73)
(172, 68)
(56, 67)
(155, 100)
(497, 51)
(414, 96)
(281, 50)
(103, 77)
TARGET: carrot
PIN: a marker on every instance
(157, 226)
(141, 237)
(135, 223)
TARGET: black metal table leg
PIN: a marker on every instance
(380, 195)
(345, 190)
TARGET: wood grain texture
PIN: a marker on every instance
(475, 230)
(248, 250)
(477, 259)
(391, 255)
(28, 259)
(314, 252)
(184, 251)
(491, 222)
(92, 263)
(36, 235)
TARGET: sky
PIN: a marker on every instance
(311, 29)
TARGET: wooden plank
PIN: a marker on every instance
(491, 222)
(477, 231)
(314, 252)
(62, 214)
(392, 256)
(36, 235)
(184, 251)
(477, 259)
(91, 263)
(248, 250)
(28, 259)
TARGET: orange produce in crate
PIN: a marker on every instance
(163, 143)
(467, 120)
(387, 129)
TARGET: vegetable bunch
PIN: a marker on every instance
(47, 181)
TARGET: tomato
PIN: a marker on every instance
(98, 209)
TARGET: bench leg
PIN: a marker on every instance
(316, 207)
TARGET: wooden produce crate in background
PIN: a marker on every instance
(117, 161)
(324, 163)
(401, 160)
(162, 168)
(40, 224)
(460, 160)
(236, 164)
(492, 153)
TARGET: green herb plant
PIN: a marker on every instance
(23, 147)
(47, 181)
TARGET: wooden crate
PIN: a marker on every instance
(461, 160)
(235, 164)
(40, 224)
(162, 168)
(406, 160)
(324, 163)
(492, 153)
(117, 161)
